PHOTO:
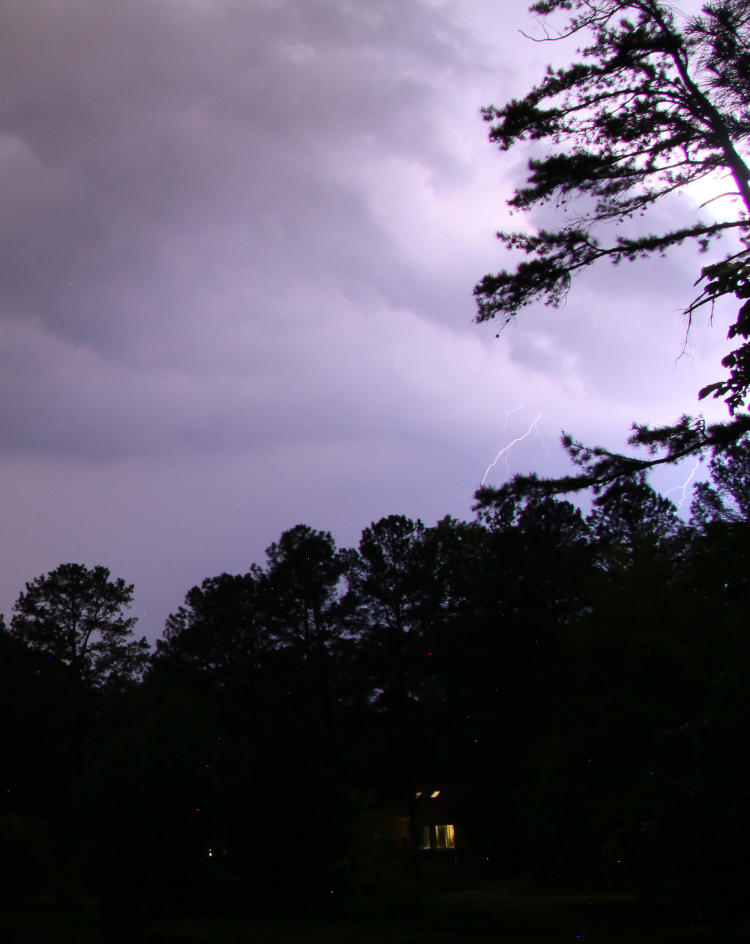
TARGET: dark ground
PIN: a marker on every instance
(487, 913)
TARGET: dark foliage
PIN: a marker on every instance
(581, 681)
(75, 616)
(653, 105)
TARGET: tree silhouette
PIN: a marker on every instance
(221, 629)
(651, 107)
(76, 615)
(629, 520)
(727, 497)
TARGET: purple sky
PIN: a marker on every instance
(239, 239)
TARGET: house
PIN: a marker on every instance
(427, 823)
(434, 819)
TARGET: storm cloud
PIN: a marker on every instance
(239, 239)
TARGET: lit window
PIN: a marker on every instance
(435, 793)
(439, 837)
(446, 836)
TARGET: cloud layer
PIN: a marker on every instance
(238, 240)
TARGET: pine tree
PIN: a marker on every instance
(655, 103)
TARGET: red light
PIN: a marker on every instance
(197, 809)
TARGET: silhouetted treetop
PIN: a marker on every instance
(76, 615)
(650, 108)
(222, 628)
(656, 101)
(727, 497)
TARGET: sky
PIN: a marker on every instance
(239, 242)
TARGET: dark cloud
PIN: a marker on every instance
(137, 134)
(238, 240)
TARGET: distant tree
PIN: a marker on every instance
(533, 582)
(76, 615)
(542, 545)
(727, 496)
(304, 586)
(260, 654)
(652, 106)
(387, 579)
(221, 642)
(630, 520)
(221, 629)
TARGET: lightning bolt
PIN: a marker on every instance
(684, 486)
(506, 449)
(510, 413)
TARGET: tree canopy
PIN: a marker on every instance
(76, 615)
(579, 679)
(656, 102)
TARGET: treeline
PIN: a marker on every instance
(583, 678)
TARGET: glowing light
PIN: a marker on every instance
(684, 487)
(441, 836)
(508, 413)
(435, 793)
(506, 449)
